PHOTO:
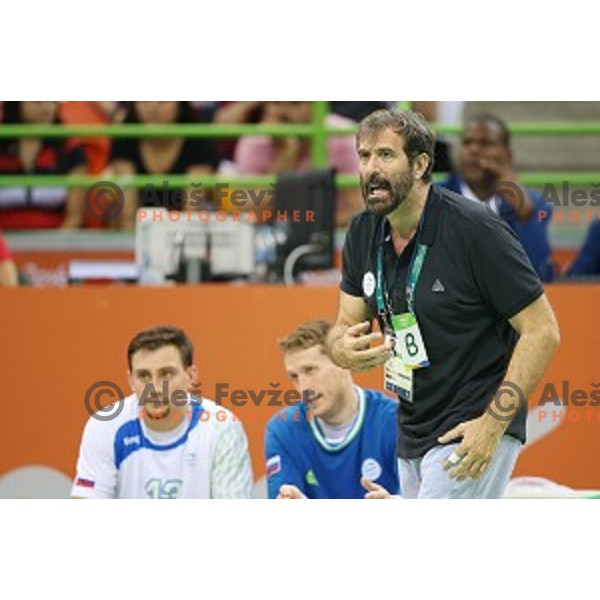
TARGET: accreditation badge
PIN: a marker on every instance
(398, 378)
(410, 341)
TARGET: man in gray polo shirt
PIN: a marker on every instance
(466, 327)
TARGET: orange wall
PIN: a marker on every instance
(56, 343)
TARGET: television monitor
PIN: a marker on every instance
(306, 243)
(182, 246)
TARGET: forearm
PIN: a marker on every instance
(75, 206)
(9, 276)
(531, 357)
(349, 340)
(75, 210)
(334, 344)
(127, 217)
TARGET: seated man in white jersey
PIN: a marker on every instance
(341, 441)
(161, 442)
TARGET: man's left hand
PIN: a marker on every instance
(480, 440)
(290, 492)
(498, 168)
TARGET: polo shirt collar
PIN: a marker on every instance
(431, 219)
(433, 209)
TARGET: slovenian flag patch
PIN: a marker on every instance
(86, 483)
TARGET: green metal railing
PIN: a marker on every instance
(586, 179)
(318, 131)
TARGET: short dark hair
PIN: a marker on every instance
(159, 337)
(307, 335)
(485, 118)
(411, 126)
(185, 114)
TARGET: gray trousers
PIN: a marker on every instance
(425, 477)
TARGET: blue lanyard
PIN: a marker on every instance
(383, 301)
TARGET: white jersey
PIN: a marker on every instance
(205, 457)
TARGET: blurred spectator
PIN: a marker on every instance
(39, 207)
(97, 149)
(486, 173)
(238, 112)
(357, 111)
(204, 110)
(230, 113)
(252, 112)
(442, 113)
(113, 111)
(261, 155)
(588, 259)
(157, 156)
(8, 271)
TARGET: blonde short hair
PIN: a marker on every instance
(307, 335)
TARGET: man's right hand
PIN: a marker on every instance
(353, 349)
(375, 491)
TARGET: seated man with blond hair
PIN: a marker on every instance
(340, 442)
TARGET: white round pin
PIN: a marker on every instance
(369, 284)
(371, 469)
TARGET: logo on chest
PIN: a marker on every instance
(132, 440)
(311, 478)
(368, 284)
(438, 287)
(371, 469)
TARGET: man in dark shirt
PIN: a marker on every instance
(468, 329)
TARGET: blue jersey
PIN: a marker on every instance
(298, 454)
(532, 233)
(588, 259)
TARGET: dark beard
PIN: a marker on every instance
(399, 189)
